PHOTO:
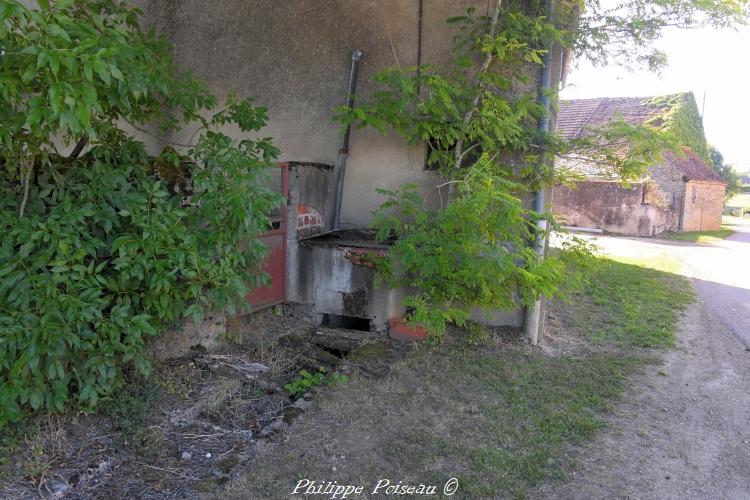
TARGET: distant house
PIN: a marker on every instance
(680, 193)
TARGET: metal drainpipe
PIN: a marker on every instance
(533, 316)
(420, 28)
(344, 151)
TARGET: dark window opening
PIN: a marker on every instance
(348, 322)
(694, 193)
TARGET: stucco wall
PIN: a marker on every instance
(609, 206)
(295, 56)
(704, 203)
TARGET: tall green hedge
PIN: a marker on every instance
(102, 250)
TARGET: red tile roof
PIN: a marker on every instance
(575, 116)
(692, 166)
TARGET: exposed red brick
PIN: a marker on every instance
(399, 330)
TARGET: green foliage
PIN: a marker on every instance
(474, 250)
(680, 117)
(306, 381)
(100, 252)
(727, 173)
(617, 150)
(74, 67)
(462, 110)
(624, 33)
(474, 253)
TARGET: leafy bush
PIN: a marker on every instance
(473, 253)
(100, 251)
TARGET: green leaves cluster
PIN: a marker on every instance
(306, 381)
(680, 117)
(100, 252)
(624, 33)
(727, 173)
(73, 67)
(472, 254)
(464, 110)
(480, 118)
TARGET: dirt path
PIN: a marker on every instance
(682, 432)
(684, 429)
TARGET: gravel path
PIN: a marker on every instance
(683, 431)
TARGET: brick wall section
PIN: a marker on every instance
(704, 204)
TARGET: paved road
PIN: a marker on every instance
(722, 278)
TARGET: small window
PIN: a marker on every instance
(695, 193)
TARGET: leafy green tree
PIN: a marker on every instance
(623, 33)
(481, 124)
(726, 172)
(107, 245)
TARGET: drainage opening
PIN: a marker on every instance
(348, 322)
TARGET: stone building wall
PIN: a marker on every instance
(704, 204)
(668, 191)
(610, 206)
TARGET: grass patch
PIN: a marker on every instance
(701, 237)
(494, 414)
(130, 410)
(740, 200)
(495, 417)
(629, 303)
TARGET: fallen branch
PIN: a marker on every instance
(249, 370)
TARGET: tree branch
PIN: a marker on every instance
(26, 180)
(458, 156)
(79, 147)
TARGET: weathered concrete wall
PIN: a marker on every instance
(310, 212)
(611, 207)
(704, 204)
(336, 279)
(294, 57)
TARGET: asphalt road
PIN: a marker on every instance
(721, 275)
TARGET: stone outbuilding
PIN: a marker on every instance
(680, 193)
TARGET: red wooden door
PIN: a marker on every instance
(275, 239)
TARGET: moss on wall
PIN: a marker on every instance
(681, 117)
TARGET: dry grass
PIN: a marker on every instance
(492, 412)
(498, 415)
